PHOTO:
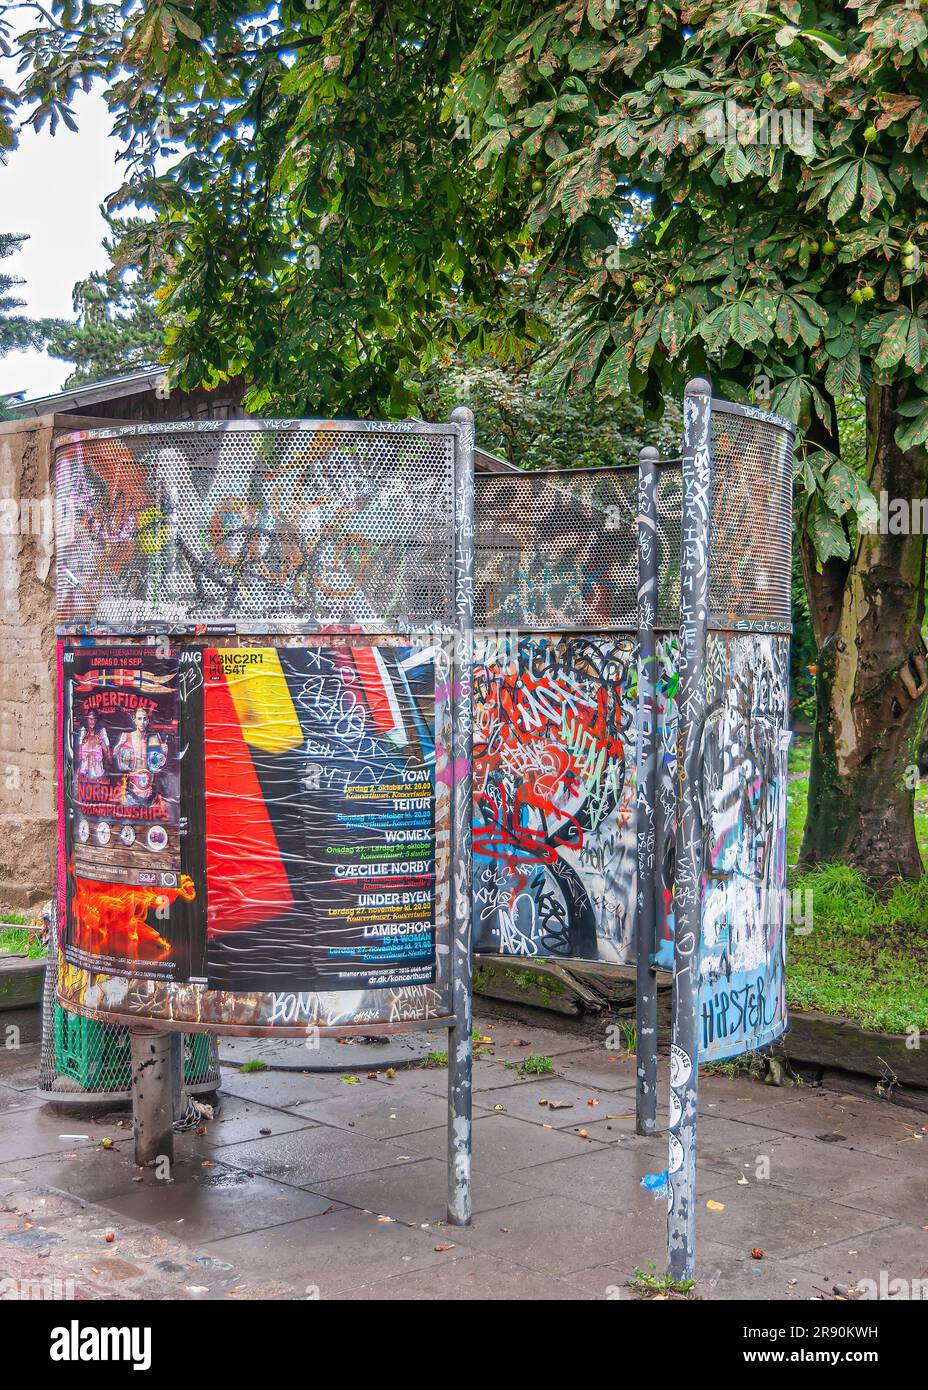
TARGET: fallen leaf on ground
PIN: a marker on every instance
(715, 1206)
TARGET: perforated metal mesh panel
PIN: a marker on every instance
(752, 516)
(272, 525)
(559, 549)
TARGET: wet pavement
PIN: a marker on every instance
(320, 1186)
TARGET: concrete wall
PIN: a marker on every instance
(27, 656)
(27, 663)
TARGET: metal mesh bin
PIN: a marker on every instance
(84, 1061)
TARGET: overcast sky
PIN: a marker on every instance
(52, 188)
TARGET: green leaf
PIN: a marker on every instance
(870, 191)
(893, 341)
(915, 429)
(583, 56)
(843, 490)
(826, 531)
(587, 361)
(842, 374)
(916, 344)
(844, 193)
(832, 48)
(613, 377)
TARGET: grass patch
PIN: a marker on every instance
(800, 754)
(536, 1065)
(254, 1064)
(629, 1030)
(866, 956)
(750, 1062)
(435, 1059)
(21, 941)
(649, 1284)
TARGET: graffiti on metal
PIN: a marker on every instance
(273, 529)
(555, 843)
(742, 1004)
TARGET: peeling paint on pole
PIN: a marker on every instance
(460, 1048)
(691, 706)
(646, 1011)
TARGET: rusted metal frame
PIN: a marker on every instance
(262, 1030)
(688, 873)
(646, 915)
(460, 1048)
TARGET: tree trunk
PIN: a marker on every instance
(871, 673)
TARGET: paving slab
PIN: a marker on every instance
(785, 1224)
(897, 1250)
(470, 1278)
(606, 1174)
(513, 1042)
(559, 1235)
(608, 1071)
(278, 1088)
(37, 1130)
(872, 1126)
(736, 1096)
(202, 1204)
(336, 1253)
(487, 1072)
(238, 1119)
(417, 1193)
(814, 1167)
(317, 1054)
(19, 1067)
(761, 1281)
(503, 1145)
(719, 1276)
(283, 1189)
(307, 1156)
(531, 1101)
(13, 1099)
(900, 1196)
(379, 1113)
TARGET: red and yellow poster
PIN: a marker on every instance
(320, 817)
(251, 818)
(121, 745)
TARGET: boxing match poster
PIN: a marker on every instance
(320, 817)
(126, 881)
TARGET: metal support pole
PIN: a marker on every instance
(688, 872)
(460, 1051)
(152, 1097)
(645, 942)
